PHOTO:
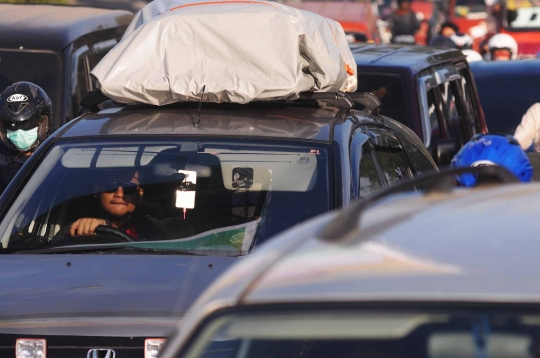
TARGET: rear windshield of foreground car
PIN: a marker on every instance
(353, 334)
(209, 196)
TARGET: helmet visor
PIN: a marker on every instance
(24, 125)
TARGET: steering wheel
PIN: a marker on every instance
(102, 235)
(112, 231)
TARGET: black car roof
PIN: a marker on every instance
(269, 120)
(389, 55)
(53, 27)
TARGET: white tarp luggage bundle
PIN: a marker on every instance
(239, 50)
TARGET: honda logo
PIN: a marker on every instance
(101, 353)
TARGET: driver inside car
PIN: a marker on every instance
(118, 196)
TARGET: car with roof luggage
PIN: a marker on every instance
(254, 170)
(56, 47)
(374, 280)
(430, 90)
(131, 210)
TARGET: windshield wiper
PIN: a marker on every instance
(125, 248)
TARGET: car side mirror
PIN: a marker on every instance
(444, 151)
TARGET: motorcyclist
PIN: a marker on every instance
(25, 115)
(493, 149)
(502, 47)
(403, 23)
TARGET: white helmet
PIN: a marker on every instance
(502, 42)
(472, 55)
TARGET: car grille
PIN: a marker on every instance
(78, 347)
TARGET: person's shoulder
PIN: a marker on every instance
(533, 112)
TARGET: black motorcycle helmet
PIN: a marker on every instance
(24, 106)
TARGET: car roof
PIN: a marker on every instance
(467, 245)
(53, 27)
(402, 56)
(263, 119)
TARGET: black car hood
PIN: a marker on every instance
(107, 286)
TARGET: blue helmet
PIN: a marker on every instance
(493, 149)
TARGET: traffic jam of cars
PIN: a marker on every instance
(237, 179)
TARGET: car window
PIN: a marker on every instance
(80, 75)
(388, 154)
(101, 48)
(434, 111)
(369, 178)
(454, 112)
(352, 334)
(419, 161)
(467, 90)
(204, 196)
(393, 165)
(390, 89)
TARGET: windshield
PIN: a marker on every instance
(523, 14)
(41, 68)
(207, 197)
(469, 333)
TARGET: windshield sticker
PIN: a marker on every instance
(17, 98)
(235, 239)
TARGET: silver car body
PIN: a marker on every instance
(463, 246)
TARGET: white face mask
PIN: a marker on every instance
(23, 140)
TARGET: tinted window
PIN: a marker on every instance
(393, 164)
(369, 178)
(42, 69)
(100, 49)
(80, 83)
(434, 113)
(191, 195)
(420, 162)
(390, 89)
(453, 112)
(467, 90)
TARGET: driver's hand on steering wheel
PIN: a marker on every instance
(85, 226)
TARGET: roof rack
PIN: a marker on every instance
(346, 225)
(342, 100)
(345, 100)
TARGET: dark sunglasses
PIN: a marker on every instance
(112, 186)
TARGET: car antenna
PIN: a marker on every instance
(196, 124)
